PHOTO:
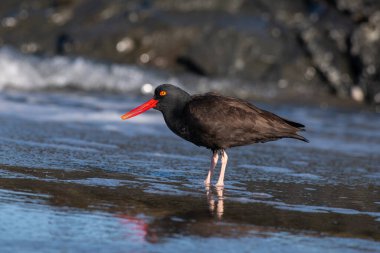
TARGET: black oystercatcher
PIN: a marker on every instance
(216, 122)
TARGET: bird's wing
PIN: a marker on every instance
(232, 121)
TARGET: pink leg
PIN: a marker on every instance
(214, 161)
(222, 169)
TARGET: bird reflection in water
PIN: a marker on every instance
(215, 201)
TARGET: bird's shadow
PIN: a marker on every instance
(215, 200)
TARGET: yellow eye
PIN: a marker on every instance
(162, 93)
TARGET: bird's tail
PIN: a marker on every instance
(298, 137)
(295, 124)
(295, 128)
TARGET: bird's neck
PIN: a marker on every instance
(175, 119)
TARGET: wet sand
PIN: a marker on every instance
(75, 178)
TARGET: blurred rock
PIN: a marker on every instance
(298, 45)
(325, 37)
(328, 60)
(358, 9)
(366, 47)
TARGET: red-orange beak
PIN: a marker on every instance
(140, 109)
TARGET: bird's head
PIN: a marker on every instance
(166, 97)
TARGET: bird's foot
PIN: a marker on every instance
(207, 183)
(219, 184)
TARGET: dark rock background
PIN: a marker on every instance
(330, 45)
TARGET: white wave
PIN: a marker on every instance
(28, 72)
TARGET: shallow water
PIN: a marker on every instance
(75, 178)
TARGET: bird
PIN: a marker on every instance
(216, 122)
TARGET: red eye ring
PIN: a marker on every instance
(163, 93)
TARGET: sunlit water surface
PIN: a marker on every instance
(75, 178)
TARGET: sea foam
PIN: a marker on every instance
(30, 72)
